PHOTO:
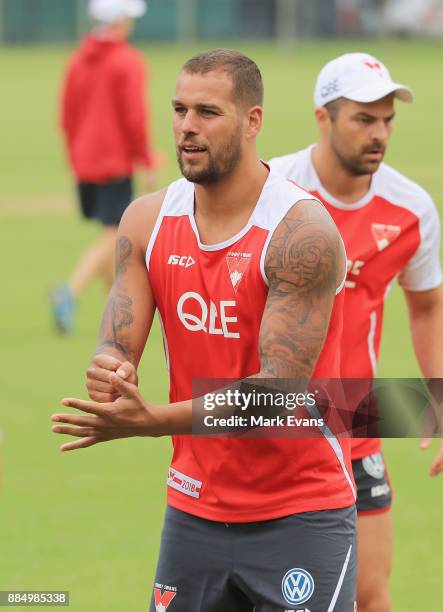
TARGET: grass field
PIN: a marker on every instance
(89, 522)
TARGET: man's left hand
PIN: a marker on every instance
(432, 426)
(437, 465)
(129, 415)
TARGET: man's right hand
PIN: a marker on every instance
(97, 377)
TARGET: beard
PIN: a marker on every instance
(355, 164)
(217, 167)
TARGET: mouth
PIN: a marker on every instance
(375, 154)
(191, 151)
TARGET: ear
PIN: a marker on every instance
(322, 116)
(254, 120)
(323, 119)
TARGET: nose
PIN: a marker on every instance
(381, 131)
(189, 122)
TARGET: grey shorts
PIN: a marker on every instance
(302, 563)
(374, 493)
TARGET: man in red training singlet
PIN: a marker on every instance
(391, 229)
(246, 271)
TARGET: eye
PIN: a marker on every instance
(365, 120)
(179, 110)
(206, 112)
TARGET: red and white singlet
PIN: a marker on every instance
(210, 299)
(393, 231)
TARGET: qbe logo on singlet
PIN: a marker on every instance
(212, 318)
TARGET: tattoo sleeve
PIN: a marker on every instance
(301, 264)
(118, 316)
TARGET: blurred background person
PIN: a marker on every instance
(104, 120)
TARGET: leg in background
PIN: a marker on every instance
(374, 562)
(96, 261)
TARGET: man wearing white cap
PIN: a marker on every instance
(391, 228)
(103, 115)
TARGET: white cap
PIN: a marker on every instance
(359, 77)
(110, 11)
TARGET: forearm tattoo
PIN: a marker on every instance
(301, 266)
(118, 316)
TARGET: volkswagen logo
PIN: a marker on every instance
(297, 586)
(374, 465)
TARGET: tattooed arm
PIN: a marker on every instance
(305, 263)
(118, 318)
(130, 307)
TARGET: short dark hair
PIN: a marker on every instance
(247, 83)
(333, 108)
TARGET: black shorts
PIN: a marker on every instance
(304, 562)
(373, 489)
(105, 202)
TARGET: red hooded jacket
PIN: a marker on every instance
(104, 115)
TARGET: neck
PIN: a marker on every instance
(234, 195)
(109, 32)
(337, 181)
(222, 210)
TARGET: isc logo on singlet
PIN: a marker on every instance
(212, 318)
(184, 261)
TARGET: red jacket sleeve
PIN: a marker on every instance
(68, 107)
(66, 102)
(135, 111)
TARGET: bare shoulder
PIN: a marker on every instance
(140, 217)
(146, 208)
(306, 249)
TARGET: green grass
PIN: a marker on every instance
(89, 522)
